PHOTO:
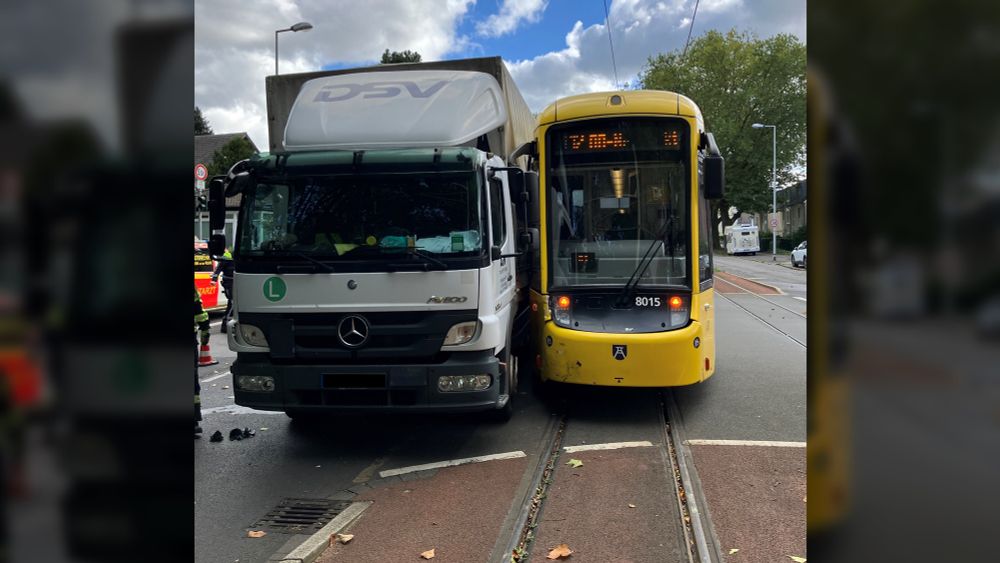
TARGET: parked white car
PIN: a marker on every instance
(799, 255)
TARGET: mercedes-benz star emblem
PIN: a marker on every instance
(353, 331)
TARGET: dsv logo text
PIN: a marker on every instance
(341, 92)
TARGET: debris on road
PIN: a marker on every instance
(216, 437)
(796, 559)
(235, 434)
(429, 554)
(630, 505)
(341, 538)
(247, 433)
(574, 463)
(733, 550)
(256, 533)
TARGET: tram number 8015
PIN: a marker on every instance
(641, 301)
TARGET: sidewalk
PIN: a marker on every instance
(756, 496)
(456, 511)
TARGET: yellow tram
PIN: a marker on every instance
(625, 292)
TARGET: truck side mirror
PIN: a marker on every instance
(524, 240)
(495, 253)
(217, 215)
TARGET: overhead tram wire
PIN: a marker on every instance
(690, 28)
(607, 22)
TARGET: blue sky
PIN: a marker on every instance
(553, 48)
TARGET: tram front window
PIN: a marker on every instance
(618, 188)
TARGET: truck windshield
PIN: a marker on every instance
(363, 216)
(619, 189)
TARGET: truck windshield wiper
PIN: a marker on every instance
(426, 256)
(300, 254)
(644, 262)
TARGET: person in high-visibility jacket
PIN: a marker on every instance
(225, 268)
(201, 326)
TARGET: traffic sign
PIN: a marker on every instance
(774, 222)
(199, 184)
(200, 172)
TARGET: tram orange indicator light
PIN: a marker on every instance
(563, 302)
(676, 302)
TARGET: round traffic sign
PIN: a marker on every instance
(200, 172)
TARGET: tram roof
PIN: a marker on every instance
(598, 104)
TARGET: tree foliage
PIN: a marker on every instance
(232, 152)
(201, 126)
(406, 56)
(738, 79)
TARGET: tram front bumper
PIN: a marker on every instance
(659, 359)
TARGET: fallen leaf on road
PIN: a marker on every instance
(344, 538)
(560, 551)
(256, 533)
(796, 559)
(803, 499)
(429, 554)
(574, 463)
(631, 506)
(263, 428)
(225, 387)
(733, 550)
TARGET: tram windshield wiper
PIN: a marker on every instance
(643, 265)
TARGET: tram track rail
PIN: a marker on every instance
(762, 319)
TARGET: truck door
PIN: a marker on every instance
(502, 236)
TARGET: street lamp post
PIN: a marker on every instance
(774, 186)
(301, 26)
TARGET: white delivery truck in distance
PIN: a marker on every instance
(379, 243)
(742, 237)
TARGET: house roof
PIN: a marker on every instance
(206, 145)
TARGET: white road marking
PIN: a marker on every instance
(450, 463)
(745, 443)
(214, 377)
(799, 298)
(236, 409)
(609, 446)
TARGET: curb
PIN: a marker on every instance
(309, 550)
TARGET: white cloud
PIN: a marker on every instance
(510, 16)
(641, 29)
(234, 46)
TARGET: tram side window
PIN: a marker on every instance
(704, 241)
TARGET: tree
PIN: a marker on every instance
(738, 79)
(406, 56)
(232, 152)
(201, 126)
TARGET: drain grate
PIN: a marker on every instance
(300, 515)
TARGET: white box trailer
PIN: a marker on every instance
(378, 242)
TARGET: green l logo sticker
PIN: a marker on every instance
(274, 289)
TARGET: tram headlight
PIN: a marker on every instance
(680, 311)
(561, 307)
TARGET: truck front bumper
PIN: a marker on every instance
(368, 388)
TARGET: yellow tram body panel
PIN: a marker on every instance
(656, 359)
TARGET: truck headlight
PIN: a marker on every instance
(461, 333)
(252, 335)
(263, 383)
(454, 383)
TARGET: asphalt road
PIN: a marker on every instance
(780, 274)
(758, 393)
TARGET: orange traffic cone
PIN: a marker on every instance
(205, 357)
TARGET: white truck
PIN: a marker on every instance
(742, 238)
(384, 243)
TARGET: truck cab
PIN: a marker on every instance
(376, 258)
